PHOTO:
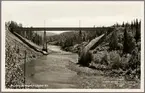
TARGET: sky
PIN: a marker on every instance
(69, 13)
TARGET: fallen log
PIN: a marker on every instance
(85, 54)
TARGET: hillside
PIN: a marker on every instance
(68, 39)
(17, 53)
(41, 33)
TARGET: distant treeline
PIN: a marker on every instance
(71, 38)
(30, 35)
(131, 35)
(68, 39)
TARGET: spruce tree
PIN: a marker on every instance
(129, 42)
(137, 26)
(131, 25)
(80, 36)
(123, 24)
(125, 46)
(114, 41)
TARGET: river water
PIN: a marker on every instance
(50, 71)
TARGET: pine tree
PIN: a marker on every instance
(129, 42)
(131, 25)
(125, 42)
(114, 41)
(138, 32)
(123, 24)
(80, 36)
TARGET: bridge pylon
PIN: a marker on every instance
(44, 42)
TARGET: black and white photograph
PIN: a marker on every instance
(73, 46)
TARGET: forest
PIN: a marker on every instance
(117, 53)
(30, 35)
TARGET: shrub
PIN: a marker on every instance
(105, 59)
(110, 60)
(134, 62)
(125, 61)
(133, 70)
(115, 60)
(99, 57)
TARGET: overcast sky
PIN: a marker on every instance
(62, 13)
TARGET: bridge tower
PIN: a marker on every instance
(80, 32)
(44, 40)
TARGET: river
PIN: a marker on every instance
(50, 71)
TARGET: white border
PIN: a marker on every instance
(69, 90)
(2, 50)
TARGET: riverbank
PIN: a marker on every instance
(88, 78)
(17, 53)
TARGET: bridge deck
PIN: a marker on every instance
(60, 28)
